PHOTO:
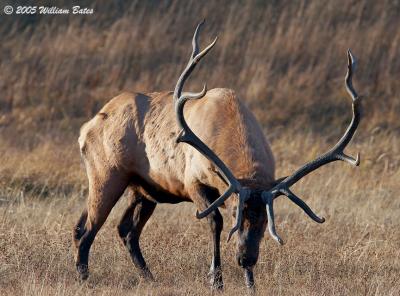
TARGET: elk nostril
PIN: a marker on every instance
(245, 261)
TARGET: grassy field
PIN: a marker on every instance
(286, 59)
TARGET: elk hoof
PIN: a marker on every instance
(249, 277)
(83, 271)
(216, 281)
(217, 285)
(147, 275)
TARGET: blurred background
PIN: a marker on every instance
(285, 59)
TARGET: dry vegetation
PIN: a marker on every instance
(286, 59)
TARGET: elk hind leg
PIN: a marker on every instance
(79, 229)
(101, 200)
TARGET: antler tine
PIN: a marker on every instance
(269, 204)
(186, 135)
(195, 40)
(302, 204)
(351, 66)
(341, 145)
(194, 59)
(244, 195)
(335, 153)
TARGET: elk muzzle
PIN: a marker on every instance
(248, 249)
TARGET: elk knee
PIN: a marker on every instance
(79, 228)
(216, 221)
(124, 229)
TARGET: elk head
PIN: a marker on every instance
(254, 210)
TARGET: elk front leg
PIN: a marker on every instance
(203, 196)
(131, 226)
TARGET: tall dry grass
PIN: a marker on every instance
(277, 55)
(286, 59)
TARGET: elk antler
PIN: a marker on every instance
(187, 136)
(335, 153)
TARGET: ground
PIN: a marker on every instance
(354, 252)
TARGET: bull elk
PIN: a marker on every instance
(133, 142)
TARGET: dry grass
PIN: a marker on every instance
(354, 252)
(286, 55)
(286, 59)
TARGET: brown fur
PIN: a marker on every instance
(132, 142)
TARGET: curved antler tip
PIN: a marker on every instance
(180, 136)
(215, 41)
(349, 159)
(358, 159)
(233, 230)
(352, 59)
(200, 215)
(279, 240)
(204, 90)
(201, 23)
(350, 54)
(321, 220)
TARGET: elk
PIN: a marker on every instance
(135, 141)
